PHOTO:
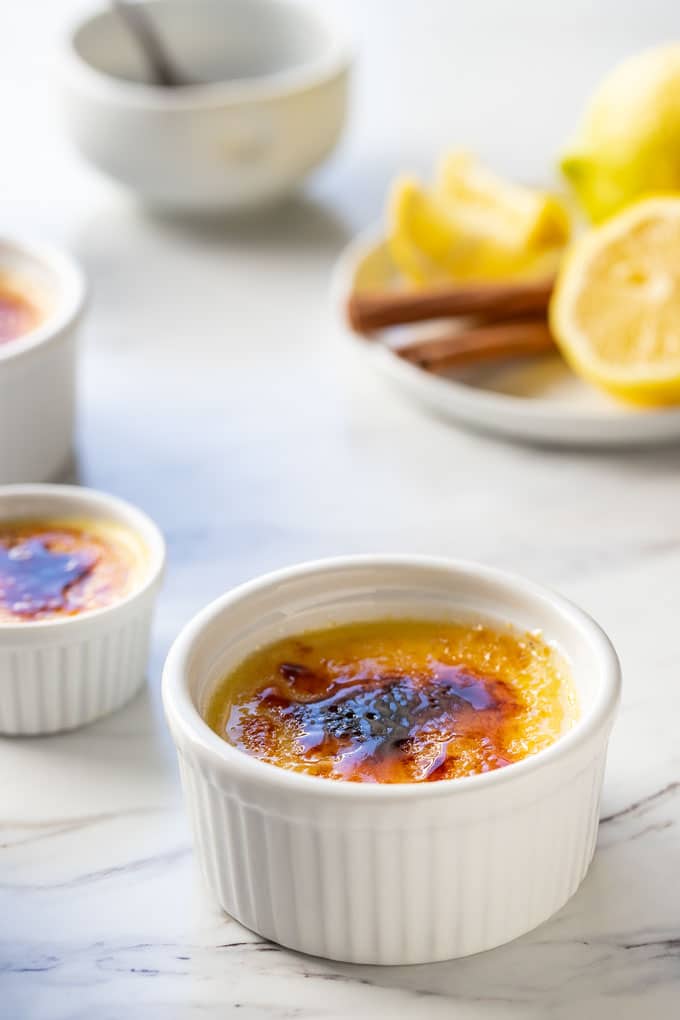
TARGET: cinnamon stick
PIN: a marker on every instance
(368, 311)
(479, 343)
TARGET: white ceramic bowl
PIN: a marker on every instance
(270, 107)
(38, 370)
(390, 874)
(61, 673)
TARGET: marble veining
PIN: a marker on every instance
(214, 395)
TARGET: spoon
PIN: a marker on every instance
(161, 66)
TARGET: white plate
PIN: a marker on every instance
(536, 400)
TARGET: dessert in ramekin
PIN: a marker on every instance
(79, 575)
(381, 871)
(42, 293)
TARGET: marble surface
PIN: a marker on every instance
(214, 396)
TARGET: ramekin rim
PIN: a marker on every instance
(333, 63)
(184, 718)
(72, 286)
(138, 521)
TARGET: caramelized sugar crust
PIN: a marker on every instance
(52, 569)
(396, 701)
(18, 314)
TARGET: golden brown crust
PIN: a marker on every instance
(396, 701)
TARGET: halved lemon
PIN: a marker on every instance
(615, 312)
(473, 226)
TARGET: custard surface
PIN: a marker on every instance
(56, 568)
(396, 701)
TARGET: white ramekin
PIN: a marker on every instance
(61, 673)
(38, 370)
(389, 874)
(219, 144)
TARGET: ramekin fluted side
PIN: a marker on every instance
(36, 447)
(393, 888)
(46, 688)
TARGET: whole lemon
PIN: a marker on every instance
(628, 143)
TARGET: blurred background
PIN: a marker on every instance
(506, 79)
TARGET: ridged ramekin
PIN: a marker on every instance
(61, 673)
(391, 874)
(38, 370)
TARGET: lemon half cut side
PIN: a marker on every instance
(615, 311)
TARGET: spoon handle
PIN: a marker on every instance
(163, 71)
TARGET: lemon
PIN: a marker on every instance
(421, 239)
(615, 311)
(473, 226)
(520, 218)
(628, 144)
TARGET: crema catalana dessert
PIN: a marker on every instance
(57, 568)
(397, 700)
